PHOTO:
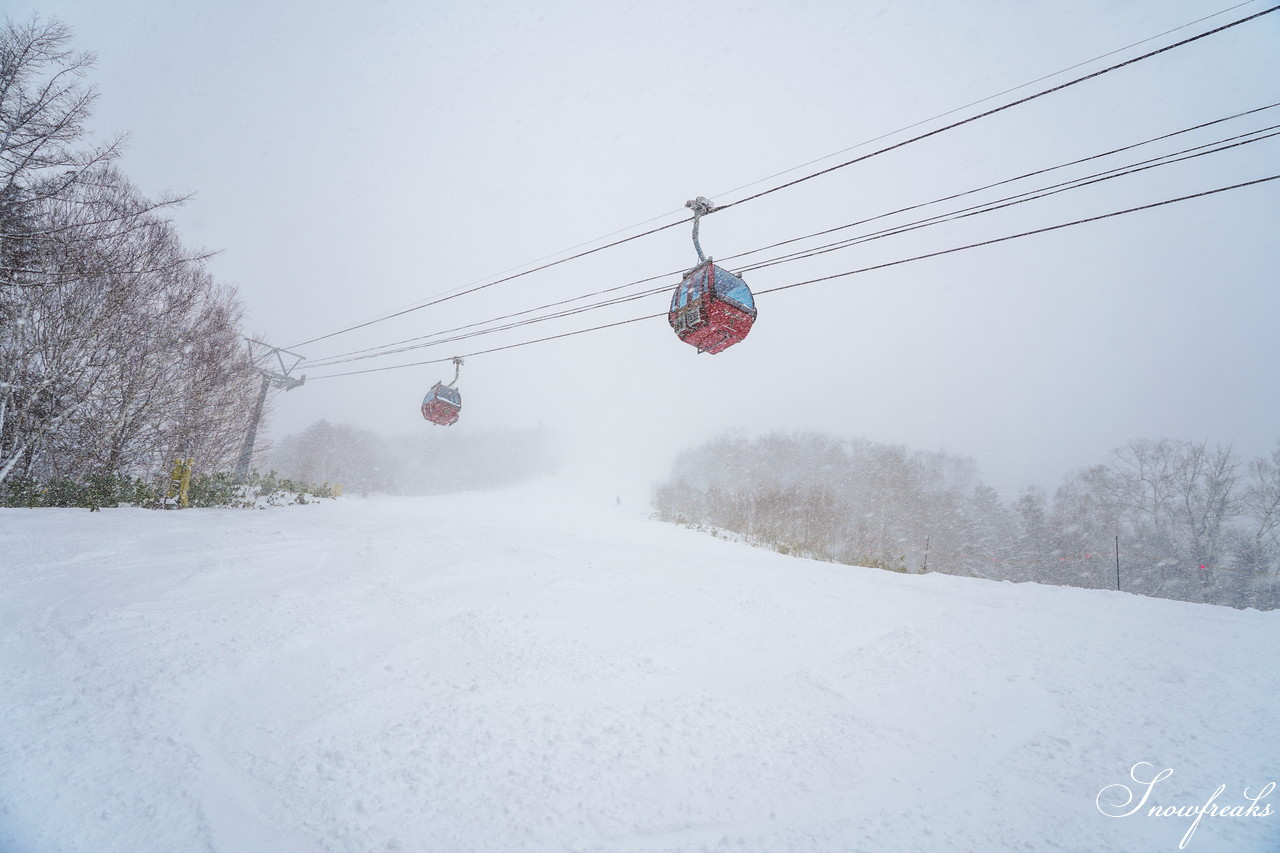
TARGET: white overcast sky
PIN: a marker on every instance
(352, 159)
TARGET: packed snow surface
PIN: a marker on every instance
(523, 670)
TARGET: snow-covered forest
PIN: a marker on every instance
(1185, 519)
(363, 462)
(118, 349)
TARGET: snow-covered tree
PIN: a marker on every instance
(117, 349)
(1258, 545)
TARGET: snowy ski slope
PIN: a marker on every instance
(523, 670)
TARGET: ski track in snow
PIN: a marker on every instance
(520, 671)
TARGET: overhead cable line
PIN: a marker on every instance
(998, 109)
(343, 356)
(480, 287)
(1023, 176)
(437, 338)
(953, 250)
(796, 181)
(468, 335)
(987, 98)
(1006, 238)
(1030, 195)
(963, 213)
(496, 349)
(413, 306)
(824, 232)
(889, 232)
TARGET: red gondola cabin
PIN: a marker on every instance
(712, 309)
(442, 404)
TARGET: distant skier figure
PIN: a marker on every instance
(618, 501)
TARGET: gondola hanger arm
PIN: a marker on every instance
(700, 206)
